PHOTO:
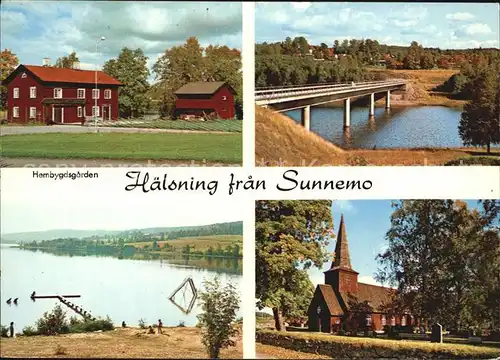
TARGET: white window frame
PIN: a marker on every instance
(79, 112)
(15, 93)
(24, 76)
(32, 112)
(58, 93)
(383, 320)
(94, 92)
(368, 319)
(15, 112)
(393, 321)
(94, 112)
(107, 94)
(33, 92)
(224, 98)
(403, 320)
(78, 93)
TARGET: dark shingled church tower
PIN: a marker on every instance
(341, 277)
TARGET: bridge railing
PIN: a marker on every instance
(284, 92)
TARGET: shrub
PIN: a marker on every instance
(341, 333)
(30, 331)
(53, 323)
(142, 323)
(4, 330)
(90, 326)
(219, 305)
(181, 324)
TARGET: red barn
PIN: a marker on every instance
(343, 302)
(57, 95)
(204, 98)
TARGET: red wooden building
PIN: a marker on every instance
(343, 299)
(197, 99)
(57, 95)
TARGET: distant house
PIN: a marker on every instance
(343, 299)
(57, 95)
(197, 99)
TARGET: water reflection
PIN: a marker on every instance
(426, 126)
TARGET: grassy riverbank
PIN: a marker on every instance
(224, 148)
(280, 141)
(176, 342)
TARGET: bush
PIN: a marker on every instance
(142, 323)
(53, 323)
(181, 324)
(90, 326)
(341, 333)
(475, 160)
(219, 305)
(30, 331)
(4, 330)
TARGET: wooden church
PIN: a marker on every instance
(343, 302)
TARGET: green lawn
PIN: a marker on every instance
(217, 125)
(165, 146)
(199, 243)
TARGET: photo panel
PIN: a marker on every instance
(119, 83)
(402, 278)
(384, 84)
(87, 276)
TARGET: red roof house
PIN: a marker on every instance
(198, 99)
(58, 95)
(342, 298)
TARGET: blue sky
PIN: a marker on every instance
(444, 25)
(37, 29)
(367, 222)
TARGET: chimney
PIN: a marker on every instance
(46, 62)
(76, 65)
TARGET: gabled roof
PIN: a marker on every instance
(62, 75)
(375, 296)
(330, 299)
(200, 88)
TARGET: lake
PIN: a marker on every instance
(412, 127)
(125, 289)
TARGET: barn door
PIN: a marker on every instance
(57, 114)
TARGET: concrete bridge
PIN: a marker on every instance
(285, 98)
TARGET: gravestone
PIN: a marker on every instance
(437, 333)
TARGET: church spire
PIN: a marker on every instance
(342, 258)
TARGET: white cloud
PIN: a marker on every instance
(477, 28)
(12, 21)
(460, 16)
(405, 23)
(301, 6)
(366, 279)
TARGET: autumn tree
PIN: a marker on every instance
(8, 62)
(131, 69)
(480, 120)
(412, 59)
(291, 237)
(67, 62)
(189, 62)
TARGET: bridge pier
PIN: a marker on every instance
(388, 99)
(372, 105)
(347, 112)
(306, 117)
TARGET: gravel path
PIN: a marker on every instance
(15, 130)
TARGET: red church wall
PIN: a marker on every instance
(342, 280)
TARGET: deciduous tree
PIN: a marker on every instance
(291, 236)
(131, 69)
(219, 305)
(67, 62)
(8, 62)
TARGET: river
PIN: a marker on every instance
(125, 289)
(411, 127)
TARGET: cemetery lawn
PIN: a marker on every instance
(221, 148)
